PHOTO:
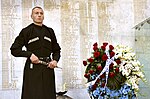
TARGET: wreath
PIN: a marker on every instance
(113, 72)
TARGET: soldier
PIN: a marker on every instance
(41, 44)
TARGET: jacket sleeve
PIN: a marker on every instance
(16, 47)
(55, 46)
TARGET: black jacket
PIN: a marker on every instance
(33, 41)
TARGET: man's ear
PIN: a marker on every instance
(31, 16)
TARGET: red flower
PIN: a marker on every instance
(111, 74)
(94, 86)
(86, 75)
(97, 81)
(105, 44)
(97, 62)
(104, 57)
(99, 67)
(102, 84)
(95, 48)
(103, 48)
(111, 47)
(111, 65)
(102, 76)
(91, 71)
(84, 63)
(96, 54)
(112, 54)
(117, 70)
(118, 61)
(95, 44)
(90, 60)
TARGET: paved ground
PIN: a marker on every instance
(71, 94)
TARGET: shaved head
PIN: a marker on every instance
(35, 8)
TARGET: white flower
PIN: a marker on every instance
(130, 66)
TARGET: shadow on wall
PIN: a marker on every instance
(63, 97)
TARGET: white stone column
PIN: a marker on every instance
(71, 44)
(121, 21)
(79, 33)
(88, 31)
(38, 3)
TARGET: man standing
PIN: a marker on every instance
(41, 43)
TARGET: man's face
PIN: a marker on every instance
(37, 16)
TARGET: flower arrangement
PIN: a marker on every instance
(113, 72)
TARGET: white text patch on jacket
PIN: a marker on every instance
(47, 38)
(33, 40)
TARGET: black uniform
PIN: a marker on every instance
(38, 80)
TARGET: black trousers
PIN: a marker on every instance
(38, 82)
